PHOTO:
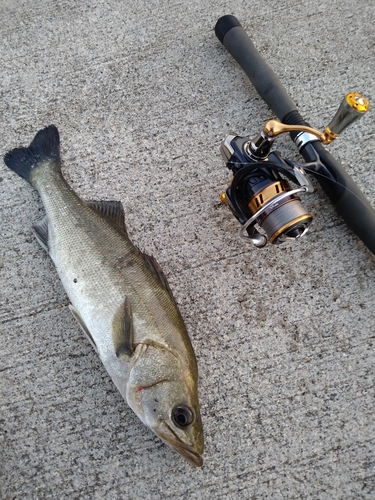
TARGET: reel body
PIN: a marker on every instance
(260, 195)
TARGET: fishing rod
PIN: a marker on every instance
(260, 195)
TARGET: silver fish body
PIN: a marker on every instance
(120, 298)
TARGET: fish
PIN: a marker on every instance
(120, 298)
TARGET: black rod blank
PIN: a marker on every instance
(343, 192)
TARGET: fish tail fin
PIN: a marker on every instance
(44, 147)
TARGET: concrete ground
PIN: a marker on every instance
(143, 93)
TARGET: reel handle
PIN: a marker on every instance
(343, 192)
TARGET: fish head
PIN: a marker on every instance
(178, 422)
(162, 391)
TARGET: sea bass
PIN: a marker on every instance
(120, 298)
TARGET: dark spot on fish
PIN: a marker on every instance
(75, 280)
(124, 262)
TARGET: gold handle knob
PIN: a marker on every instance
(353, 106)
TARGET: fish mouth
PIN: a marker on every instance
(185, 450)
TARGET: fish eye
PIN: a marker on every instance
(183, 415)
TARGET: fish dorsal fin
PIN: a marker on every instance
(113, 211)
(123, 330)
(155, 268)
(41, 232)
(83, 326)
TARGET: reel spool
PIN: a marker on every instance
(266, 205)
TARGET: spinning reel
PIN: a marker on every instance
(260, 194)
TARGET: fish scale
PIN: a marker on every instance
(120, 298)
(83, 250)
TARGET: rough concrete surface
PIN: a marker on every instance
(143, 93)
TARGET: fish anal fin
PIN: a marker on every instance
(113, 211)
(83, 326)
(40, 231)
(123, 330)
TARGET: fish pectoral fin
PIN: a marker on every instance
(113, 211)
(83, 326)
(40, 231)
(123, 330)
